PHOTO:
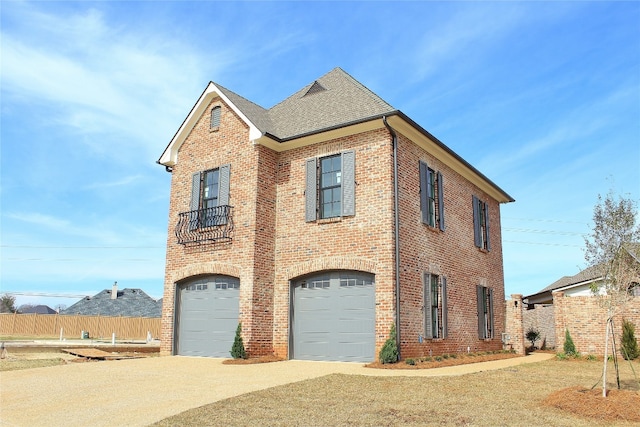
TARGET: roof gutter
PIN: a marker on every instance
(396, 215)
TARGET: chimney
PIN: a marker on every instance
(114, 290)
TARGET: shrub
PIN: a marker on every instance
(410, 362)
(561, 356)
(591, 357)
(237, 349)
(629, 345)
(569, 346)
(389, 351)
(438, 358)
(532, 336)
(445, 356)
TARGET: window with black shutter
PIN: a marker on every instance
(435, 306)
(431, 196)
(330, 186)
(485, 312)
(481, 224)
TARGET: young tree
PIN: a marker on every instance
(7, 303)
(612, 248)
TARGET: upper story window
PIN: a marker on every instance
(481, 224)
(435, 306)
(330, 186)
(485, 312)
(431, 196)
(215, 117)
(209, 197)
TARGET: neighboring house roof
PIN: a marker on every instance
(129, 302)
(584, 277)
(333, 106)
(545, 295)
(36, 309)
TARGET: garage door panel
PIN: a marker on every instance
(208, 315)
(334, 322)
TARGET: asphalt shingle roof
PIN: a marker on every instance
(335, 99)
(130, 303)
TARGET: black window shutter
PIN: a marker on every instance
(224, 184)
(490, 310)
(476, 222)
(480, 294)
(440, 202)
(223, 194)
(311, 190)
(424, 194)
(445, 329)
(194, 205)
(348, 183)
(428, 331)
(486, 218)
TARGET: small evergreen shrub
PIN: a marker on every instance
(561, 356)
(410, 362)
(629, 345)
(569, 346)
(445, 356)
(532, 336)
(454, 356)
(438, 358)
(389, 351)
(237, 349)
(591, 357)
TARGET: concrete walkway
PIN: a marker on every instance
(139, 392)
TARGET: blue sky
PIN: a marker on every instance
(542, 97)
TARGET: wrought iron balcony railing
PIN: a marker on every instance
(205, 225)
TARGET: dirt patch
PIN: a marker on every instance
(619, 405)
(253, 360)
(431, 362)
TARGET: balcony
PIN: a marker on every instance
(210, 225)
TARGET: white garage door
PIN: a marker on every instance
(333, 317)
(208, 315)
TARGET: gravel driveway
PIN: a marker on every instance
(139, 392)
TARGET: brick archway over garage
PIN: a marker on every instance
(206, 268)
(330, 263)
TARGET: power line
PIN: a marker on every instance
(543, 244)
(48, 294)
(534, 231)
(79, 247)
(545, 220)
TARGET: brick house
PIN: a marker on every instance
(284, 219)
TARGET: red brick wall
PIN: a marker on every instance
(451, 253)
(542, 318)
(361, 242)
(586, 322)
(250, 165)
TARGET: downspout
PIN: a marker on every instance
(394, 143)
